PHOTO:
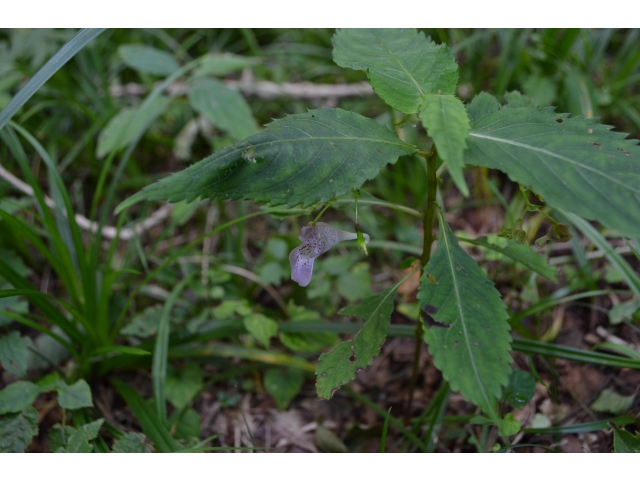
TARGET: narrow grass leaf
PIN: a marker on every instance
(520, 253)
(469, 334)
(151, 424)
(446, 121)
(620, 264)
(581, 427)
(402, 64)
(383, 438)
(55, 63)
(300, 159)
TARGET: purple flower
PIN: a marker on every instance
(316, 239)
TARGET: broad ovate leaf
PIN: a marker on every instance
(300, 159)
(576, 164)
(17, 430)
(223, 107)
(341, 364)
(402, 64)
(148, 59)
(446, 121)
(466, 323)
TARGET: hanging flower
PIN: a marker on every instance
(316, 239)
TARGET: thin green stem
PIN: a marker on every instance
(329, 203)
(427, 225)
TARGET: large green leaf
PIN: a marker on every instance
(469, 339)
(17, 430)
(446, 120)
(577, 164)
(402, 65)
(341, 364)
(225, 108)
(625, 442)
(283, 384)
(300, 159)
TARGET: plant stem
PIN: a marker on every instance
(427, 225)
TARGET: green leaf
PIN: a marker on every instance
(520, 253)
(482, 105)
(446, 121)
(144, 324)
(189, 424)
(16, 396)
(283, 384)
(78, 441)
(402, 64)
(623, 311)
(14, 350)
(625, 442)
(131, 442)
(577, 164)
(470, 341)
(127, 124)
(612, 402)
(509, 425)
(59, 436)
(300, 159)
(74, 396)
(148, 59)
(223, 107)
(261, 328)
(222, 64)
(356, 284)
(183, 386)
(17, 430)
(341, 364)
(301, 341)
(521, 388)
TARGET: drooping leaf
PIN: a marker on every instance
(341, 364)
(17, 430)
(612, 402)
(520, 253)
(14, 350)
(148, 59)
(402, 64)
(131, 442)
(125, 126)
(577, 164)
(521, 388)
(625, 442)
(283, 384)
(261, 328)
(223, 107)
(182, 386)
(74, 396)
(469, 335)
(300, 159)
(16, 396)
(446, 121)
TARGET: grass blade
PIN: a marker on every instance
(56, 62)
